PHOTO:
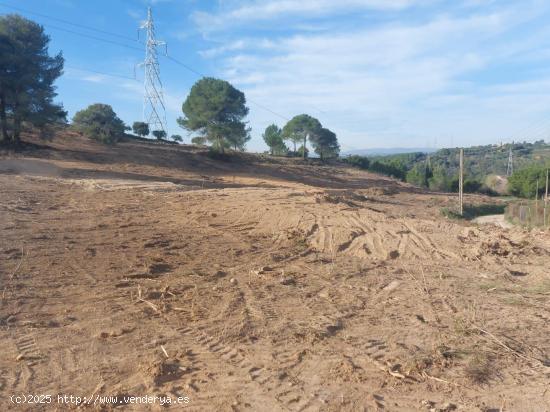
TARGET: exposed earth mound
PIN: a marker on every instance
(258, 284)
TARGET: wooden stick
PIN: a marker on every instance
(19, 264)
(508, 348)
(152, 305)
(545, 199)
(425, 375)
(461, 183)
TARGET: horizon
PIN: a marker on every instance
(409, 73)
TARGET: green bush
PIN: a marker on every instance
(99, 121)
(391, 168)
(361, 162)
(523, 183)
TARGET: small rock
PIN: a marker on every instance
(287, 280)
(220, 274)
(324, 294)
(394, 254)
(233, 280)
(20, 357)
(394, 284)
(447, 407)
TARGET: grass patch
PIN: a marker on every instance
(473, 211)
(463, 327)
(514, 301)
(491, 285)
(542, 288)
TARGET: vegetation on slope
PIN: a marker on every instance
(439, 170)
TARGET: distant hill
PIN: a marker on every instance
(484, 166)
(388, 151)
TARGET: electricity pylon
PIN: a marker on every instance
(510, 169)
(154, 111)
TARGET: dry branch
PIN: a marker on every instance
(508, 348)
(152, 305)
(19, 264)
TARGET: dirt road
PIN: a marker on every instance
(497, 220)
(264, 287)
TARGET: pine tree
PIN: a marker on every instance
(27, 75)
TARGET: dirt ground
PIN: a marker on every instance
(257, 285)
(497, 220)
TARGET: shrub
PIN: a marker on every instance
(99, 121)
(199, 140)
(361, 162)
(141, 128)
(159, 134)
(523, 183)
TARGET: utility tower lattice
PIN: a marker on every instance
(510, 169)
(154, 111)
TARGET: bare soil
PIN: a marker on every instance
(497, 220)
(258, 284)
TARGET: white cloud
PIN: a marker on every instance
(238, 45)
(263, 10)
(137, 15)
(95, 78)
(365, 84)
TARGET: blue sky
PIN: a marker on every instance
(380, 73)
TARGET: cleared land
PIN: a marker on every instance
(262, 284)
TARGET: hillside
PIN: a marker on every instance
(258, 284)
(479, 163)
(382, 151)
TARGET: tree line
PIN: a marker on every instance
(214, 112)
(439, 172)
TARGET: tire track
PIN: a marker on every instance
(277, 389)
(28, 349)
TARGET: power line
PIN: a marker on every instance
(93, 37)
(523, 132)
(69, 22)
(189, 68)
(100, 72)
(171, 58)
(113, 42)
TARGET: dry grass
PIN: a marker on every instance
(480, 368)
